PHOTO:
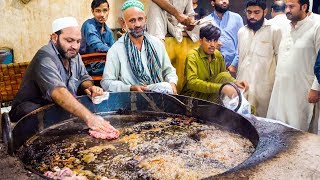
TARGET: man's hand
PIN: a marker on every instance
(97, 123)
(189, 28)
(174, 88)
(243, 85)
(184, 19)
(229, 91)
(313, 96)
(138, 88)
(94, 91)
(232, 70)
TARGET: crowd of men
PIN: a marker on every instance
(167, 50)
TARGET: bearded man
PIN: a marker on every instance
(295, 94)
(229, 23)
(138, 61)
(258, 50)
(55, 75)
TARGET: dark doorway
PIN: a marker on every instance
(316, 6)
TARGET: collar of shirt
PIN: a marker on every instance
(99, 25)
(299, 23)
(216, 17)
(143, 48)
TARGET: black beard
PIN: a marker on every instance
(63, 53)
(294, 18)
(60, 50)
(220, 9)
(257, 25)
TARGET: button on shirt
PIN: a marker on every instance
(229, 25)
(92, 38)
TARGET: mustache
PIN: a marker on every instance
(138, 28)
(72, 49)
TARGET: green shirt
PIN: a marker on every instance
(203, 79)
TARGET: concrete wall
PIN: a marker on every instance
(25, 27)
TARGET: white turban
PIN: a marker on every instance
(64, 22)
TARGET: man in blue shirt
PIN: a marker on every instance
(96, 35)
(229, 23)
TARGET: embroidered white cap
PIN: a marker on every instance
(64, 22)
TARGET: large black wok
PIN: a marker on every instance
(267, 144)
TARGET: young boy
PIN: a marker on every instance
(96, 35)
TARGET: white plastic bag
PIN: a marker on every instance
(232, 103)
(99, 99)
(162, 87)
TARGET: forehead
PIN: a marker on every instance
(292, 2)
(254, 8)
(133, 12)
(220, 1)
(71, 32)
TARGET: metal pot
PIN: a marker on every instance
(267, 145)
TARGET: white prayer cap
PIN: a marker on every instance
(64, 22)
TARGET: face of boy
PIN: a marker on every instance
(209, 46)
(101, 13)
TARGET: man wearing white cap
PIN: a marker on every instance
(55, 74)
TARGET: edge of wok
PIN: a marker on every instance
(268, 138)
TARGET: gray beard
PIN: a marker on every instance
(137, 34)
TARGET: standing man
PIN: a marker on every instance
(278, 8)
(96, 35)
(55, 74)
(138, 60)
(296, 90)
(258, 51)
(164, 21)
(229, 23)
(278, 15)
